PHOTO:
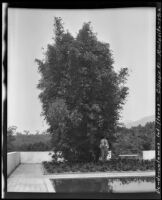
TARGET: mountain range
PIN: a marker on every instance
(141, 121)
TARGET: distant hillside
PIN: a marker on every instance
(141, 122)
(30, 139)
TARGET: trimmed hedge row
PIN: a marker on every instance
(112, 165)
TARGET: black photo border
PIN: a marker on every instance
(88, 5)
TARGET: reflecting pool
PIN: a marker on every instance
(110, 185)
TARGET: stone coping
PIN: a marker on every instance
(130, 155)
(49, 185)
(98, 172)
(13, 152)
(100, 175)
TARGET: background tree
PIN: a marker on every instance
(37, 132)
(81, 93)
(135, 139)
(10, 137)
(37, 146)
(26, 132)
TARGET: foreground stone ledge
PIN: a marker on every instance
(30, 178)
(101, 175)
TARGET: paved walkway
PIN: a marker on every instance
(29, 178)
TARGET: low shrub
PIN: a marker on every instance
(112, 165)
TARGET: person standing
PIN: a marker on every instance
(104, 146)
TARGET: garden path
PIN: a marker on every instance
(28, 178)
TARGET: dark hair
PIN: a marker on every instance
(103, 136)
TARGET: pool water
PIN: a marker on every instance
(109, 185)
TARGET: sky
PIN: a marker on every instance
(129, 31)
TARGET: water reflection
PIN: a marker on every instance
(110, 185)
